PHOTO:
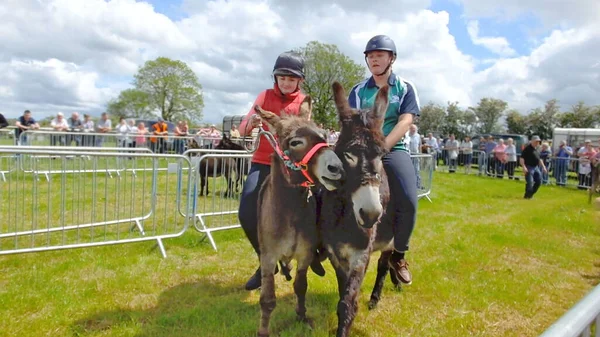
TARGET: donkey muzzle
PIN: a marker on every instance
(367, 205)
(329, 169)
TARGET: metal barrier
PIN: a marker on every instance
(217, 206)
(158, 144)
(424, 165)
(580, 319)
(83, 208)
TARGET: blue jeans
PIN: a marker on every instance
(403, 196)
(533, 180)
(247, 212)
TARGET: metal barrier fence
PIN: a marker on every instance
(424, 165)
(158, 144)
(580, 319)
(84, 208)
(219, 180)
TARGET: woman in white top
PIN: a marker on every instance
(123, 129)
(511, 157)
(466, 147)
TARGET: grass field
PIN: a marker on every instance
(485, 262)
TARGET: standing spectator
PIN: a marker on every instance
(104, 126)
(24, 123)
(467, 149)
(180, 131)
(140, 139)
(75, 126)
(216, 135)
(500, 156)
(432, 147)
(133, 131)
(88, 127)
(160, 130)
(452, 150)
(490, 145)
(545, 154)
(585, 154)
(511, 158)
(3, 122)
(234, 132)
(530, 162)
(122, 129)
(561, 163)
(58, 124)
(414, 147)
(482, 156)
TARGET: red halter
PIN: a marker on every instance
(301, 166)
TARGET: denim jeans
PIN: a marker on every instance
(533, 180)
(249, 202)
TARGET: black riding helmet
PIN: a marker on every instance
(383, 43)
(289, 63)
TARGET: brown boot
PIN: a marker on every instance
(400, 269)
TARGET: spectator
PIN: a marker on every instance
(122, 129)
(482, 156)
(3, 122)
(140, 139)
(545, 154)
(58, 124)
(530, 162)
(432, 147)
(104, 126)
(160, 130)
(452, 149)
(180, 131)
(75, 125)
(88, 127)
(234, 132)
(133, 131)
(561, 163)
(414, 147)
(500, 156)
(24, 123)
(467, 149)
(490, 145)
(585, 154)
(511, 158)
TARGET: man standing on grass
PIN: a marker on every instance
(530, 162)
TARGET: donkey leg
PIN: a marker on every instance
(267, 295)
(348, 305)
(300, 287)
(202, 184)
(382, 269)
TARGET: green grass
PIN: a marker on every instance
(485, 262)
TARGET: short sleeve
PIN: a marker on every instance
(410, 103)
(353, 99)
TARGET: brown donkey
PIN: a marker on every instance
(352, 220)
(287, 227)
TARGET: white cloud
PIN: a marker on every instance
(497, 45)
(75, 55)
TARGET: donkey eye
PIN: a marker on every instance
(350, 158)
(295, 143)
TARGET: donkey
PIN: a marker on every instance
(287, 227)
(222, 166)
(352, 219)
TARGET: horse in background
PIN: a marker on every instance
(226, 167)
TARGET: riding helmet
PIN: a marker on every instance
(289, 63)
(381, 42)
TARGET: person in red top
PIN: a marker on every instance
(286, 96)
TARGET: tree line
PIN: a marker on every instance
(170, 89)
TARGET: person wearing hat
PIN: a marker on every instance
(531, 162)
(286, 96)
(380, 54)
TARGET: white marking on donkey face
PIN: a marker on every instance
(367, 205)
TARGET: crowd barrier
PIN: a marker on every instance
(84, 208)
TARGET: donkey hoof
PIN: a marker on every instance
(262, 334)
(373, 304)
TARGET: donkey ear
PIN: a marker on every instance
(381, 103)
(306, 108)
(341, 102)
(267, 116)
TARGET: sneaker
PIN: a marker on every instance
(400, 269)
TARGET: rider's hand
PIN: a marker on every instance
(525, 170)
(256, 121)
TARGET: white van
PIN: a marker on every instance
(575, 137)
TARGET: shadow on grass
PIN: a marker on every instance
(208, 308)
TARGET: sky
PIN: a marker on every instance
(74, 55)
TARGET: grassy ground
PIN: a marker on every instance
(485, 263)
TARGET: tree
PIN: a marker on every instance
(542, 122)
(324, 64)
(458, 121)
(432, 118)
(130, 103)
(172, 89)
(488, 112)
(516, 123)
(580, 116)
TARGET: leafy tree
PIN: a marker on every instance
(172, 89)
(130, 103)
(458, 121)
(432, 119)
(488, 112)
(580, 116)
(324, 64)
(516, 122)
